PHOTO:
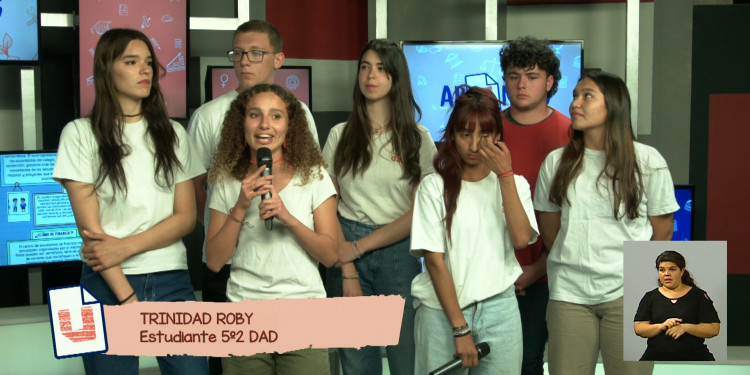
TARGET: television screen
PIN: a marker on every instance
(437, 68)
(19, 32)
(38, 224)
(683, 218)
(163, 22)
(296, 79)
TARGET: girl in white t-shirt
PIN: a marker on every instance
(376, 160)
(281, 262)
(468, 218)
(127, 169)
(598, 191)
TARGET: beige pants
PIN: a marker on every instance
(305, 361)
(578, 332)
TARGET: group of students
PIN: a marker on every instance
(377, 198)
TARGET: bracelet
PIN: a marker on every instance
(237, 220)
(352, 277)
(461, 331)
(355, 250)
(126, 298)
(507, 173)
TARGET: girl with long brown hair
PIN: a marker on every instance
(601, 189)
(468, 218)
(131, 224)
(376, 160)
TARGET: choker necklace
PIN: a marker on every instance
(253, 162)
(135, 115)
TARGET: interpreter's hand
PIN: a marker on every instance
(467, 351)
(669, 323)
(103, 251)
(274, 207)
(352, 287)
(495, 155)
(676, 332)
(254, 186)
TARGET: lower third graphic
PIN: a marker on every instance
(77, 321)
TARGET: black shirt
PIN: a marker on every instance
(693, 308)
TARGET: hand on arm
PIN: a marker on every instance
(703, 330)
(383, 236)
(106, 251)
(497, 157)
(648, 330)
(83, 200)
(446, 293)
(663, 226)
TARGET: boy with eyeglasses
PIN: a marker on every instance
(256, 54)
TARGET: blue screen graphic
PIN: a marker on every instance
(19, 31)
(683, 218)
(36, 223)
(437, 68)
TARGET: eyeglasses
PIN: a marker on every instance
(252, 56)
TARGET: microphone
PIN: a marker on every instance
(265, 158)
(483, 349)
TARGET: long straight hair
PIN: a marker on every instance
(107, 116)
(354, 152)
(620, 167)
(473, 106)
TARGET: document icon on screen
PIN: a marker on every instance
(484, 81)
(77, 320)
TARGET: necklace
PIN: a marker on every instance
(253, 162)
(380, 128)
(135, 115)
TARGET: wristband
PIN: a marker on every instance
(507, 173)
(461, 331)
(352, 277)
(126, 298)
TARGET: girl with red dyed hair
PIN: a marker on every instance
(468, 218)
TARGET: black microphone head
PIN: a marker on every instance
(265, 158)
(483, 349)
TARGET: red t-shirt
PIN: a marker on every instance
(529, 145)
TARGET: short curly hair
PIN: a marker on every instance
(527, 52)
(232, 157)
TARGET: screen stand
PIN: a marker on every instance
(36, 294)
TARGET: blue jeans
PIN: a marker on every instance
(386, 271)
(533, 308)
(495, 321)
(168, 286)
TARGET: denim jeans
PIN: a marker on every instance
(533, 308)
(168, 286)
(386, 271)
(494, 320)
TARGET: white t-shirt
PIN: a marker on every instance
(585, 264)
(273, 264)
(361, 202)
(480, 254)
(146, 203)
(204, 130)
